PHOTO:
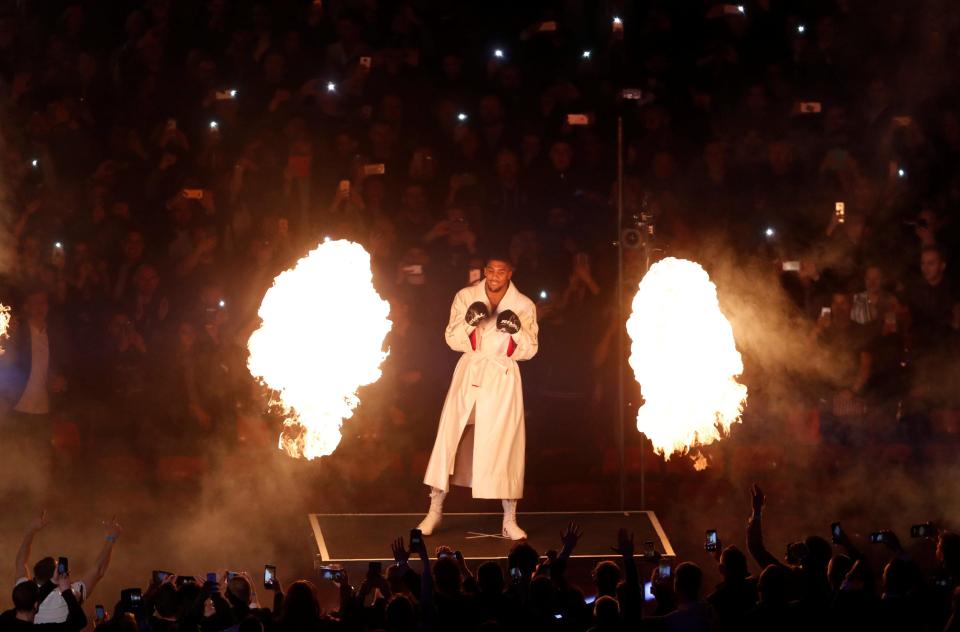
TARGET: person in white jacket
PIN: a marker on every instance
(480, 441)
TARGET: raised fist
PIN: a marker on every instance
(508, 322)
(475, 313)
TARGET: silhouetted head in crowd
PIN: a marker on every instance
(25, 599)
(687, 582)
(524, 557)
(837, 571)
(446, 575)
(898, 578)
(300, 604)
(400, 615)
(606, 613)
(490, 578)
(238, 591)
(818, 555)
(44, 569)
(772, 586)
(606, 576)
(733, 564)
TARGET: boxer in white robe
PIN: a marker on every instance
(480, 442)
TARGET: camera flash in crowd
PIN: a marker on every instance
(331, 86)
(34, 163)
(461, 116)
(498, 53)
(214, 125)
(769, 232)
(586, 54)
(233, 94)
(901, 172)
(741, 9)
(58, 245)
(222, 303)
(617, 21)
(543, 295)
(801, 29)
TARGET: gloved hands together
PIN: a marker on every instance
(508, 322)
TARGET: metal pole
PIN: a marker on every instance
(621, 320)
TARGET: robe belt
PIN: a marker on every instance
(480, 364)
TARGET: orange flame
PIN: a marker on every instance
(321, 339)
(685, 358)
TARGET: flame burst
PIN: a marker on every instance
(321, 339)
(684, 356)
(4, 323)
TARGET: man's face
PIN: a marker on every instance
(840, 308)
(561, 156)
(133, 246)
(932, 267)
(873, 280)
(497, 274)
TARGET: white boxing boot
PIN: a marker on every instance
(435, 515)
(510, 527)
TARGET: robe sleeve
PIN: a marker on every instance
(525, 339)
(458, 331)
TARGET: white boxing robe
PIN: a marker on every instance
(486, 392)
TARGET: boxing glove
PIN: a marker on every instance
(475, 313)
(508, 322)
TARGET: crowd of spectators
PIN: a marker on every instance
(164, 160)
(817, 585)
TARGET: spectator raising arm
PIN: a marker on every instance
(631, 602)
(99, 570)
(760, 554)
(22, 565)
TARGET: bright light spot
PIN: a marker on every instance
(617, 20)
(331, 86)
(34, 162)
(58, 245)
(901, 172)
(741, 9)
(461, 117)
(801, 28)
(4, 323)
(214, 125)
(685, 358)
(498, 53)
(320, 339)
(326, 239)
(543, 294)
(222, 303)
(769, 232)
(586, 54)
(233, 94)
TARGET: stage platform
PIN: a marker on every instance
(367, 537)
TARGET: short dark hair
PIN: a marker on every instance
(43, 570)
(689, 580)
(498, 255)
(524, 557)
(933, 248)
(490, 577)
(25, 596)
(238, 590)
